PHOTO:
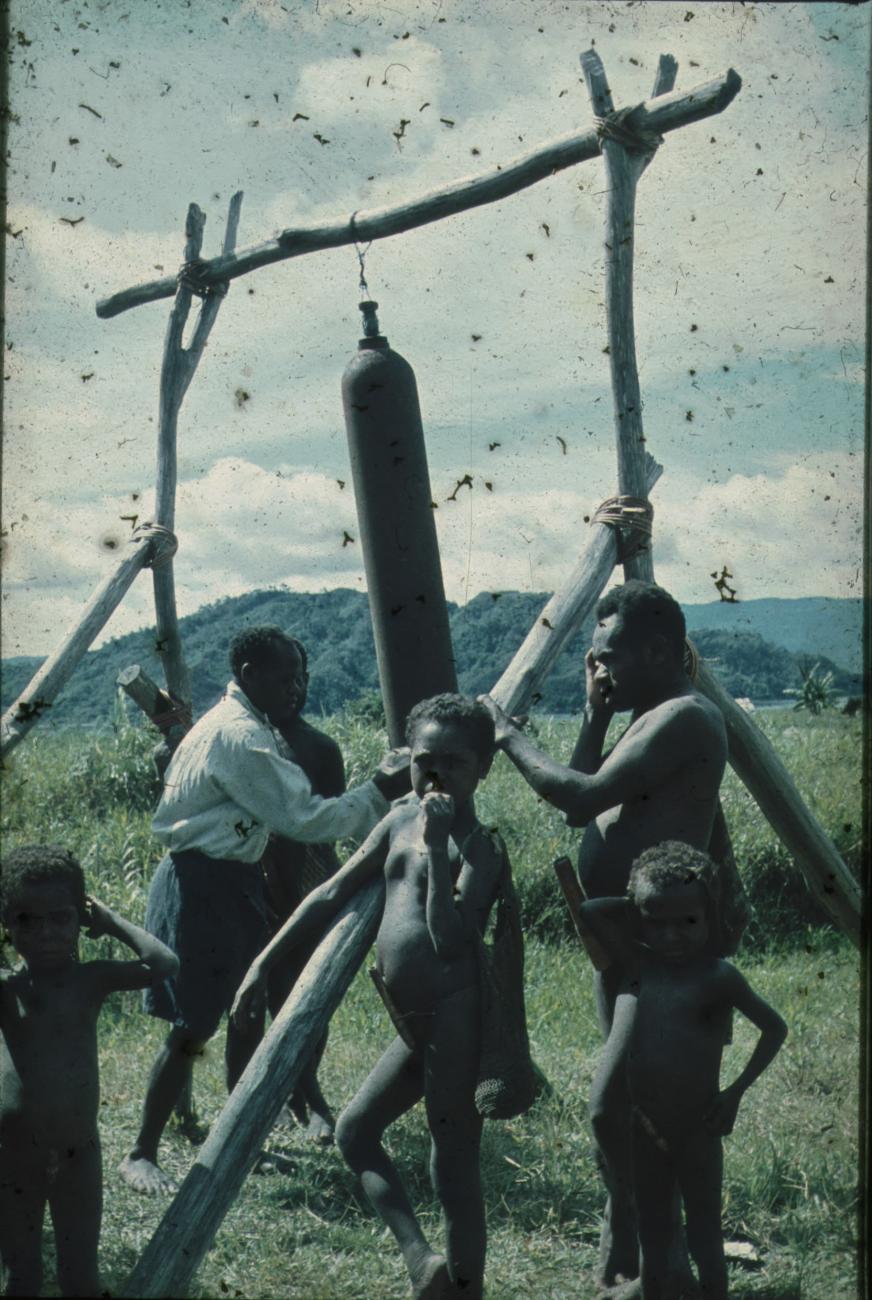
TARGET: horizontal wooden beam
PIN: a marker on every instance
(661, 114)
(188, 1227)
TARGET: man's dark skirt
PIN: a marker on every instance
(211, 913)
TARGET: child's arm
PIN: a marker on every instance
(773, 1032)
(156, 961)
(309, 918)
(607, 927)
(453, 913)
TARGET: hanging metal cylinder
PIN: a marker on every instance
(397, 530)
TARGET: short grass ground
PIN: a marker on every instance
(791, 1166)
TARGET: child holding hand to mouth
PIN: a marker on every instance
(441, 870)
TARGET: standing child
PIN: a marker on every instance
(49, 1077)
(441, 871)
(679, 998)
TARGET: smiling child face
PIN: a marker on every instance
(674, 923)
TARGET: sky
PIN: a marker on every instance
(749, 291)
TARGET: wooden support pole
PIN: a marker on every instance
(623, 167)
(45, 686)
(177, 370)
(758, 765)
(663, 114)
(188, 1227)
(563, 614)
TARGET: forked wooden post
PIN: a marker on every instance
(154, 542)
(626, 153)
(177, 369)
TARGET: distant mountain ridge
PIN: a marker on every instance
(755, 647)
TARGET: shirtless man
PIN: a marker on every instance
(659, 782)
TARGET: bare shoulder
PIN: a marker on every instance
(319, 740)
(402, 813)
(727, 979)
(691, 715)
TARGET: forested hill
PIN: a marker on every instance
(335, 627)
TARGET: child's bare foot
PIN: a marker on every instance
(320, 1128)
(430, 1278)
(145, 1176)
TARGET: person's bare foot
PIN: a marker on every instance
(621, 1290)
(430, 1278)
(146, 1176)
(320, 1128)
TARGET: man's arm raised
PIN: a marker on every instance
(670, 736)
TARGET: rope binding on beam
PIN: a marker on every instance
(632, 519)
(164, 543)
(615, 126)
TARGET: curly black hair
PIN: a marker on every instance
(38, 864)
(257, 645)
(673, 863)
(471, 715)
(646, 610)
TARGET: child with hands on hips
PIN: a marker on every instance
(680, 998)
(49, 1075)
(441, 870)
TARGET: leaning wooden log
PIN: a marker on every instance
(663, 114)
(155, 703)
(171, 717)
(45, 686)
(177, 369)
(188, 1227)
(626, 153)
(767, 779)
(567, 609)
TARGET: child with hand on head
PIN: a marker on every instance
(441, 870)
(49, 1078)
(680, 997)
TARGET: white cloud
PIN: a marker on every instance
(745, 257)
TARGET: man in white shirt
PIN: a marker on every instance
(231, 783)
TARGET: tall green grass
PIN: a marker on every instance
(790, 1184)
(94, 793)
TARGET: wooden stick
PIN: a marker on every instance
(177, 370)
(157, 705)
(568, 881)
(563, 614)
(188, 1227)
(663, 114)
(44, 688)
(768, 780)
(623, 169)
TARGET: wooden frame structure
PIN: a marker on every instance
(627, 140)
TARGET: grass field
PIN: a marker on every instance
(790, 1183)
